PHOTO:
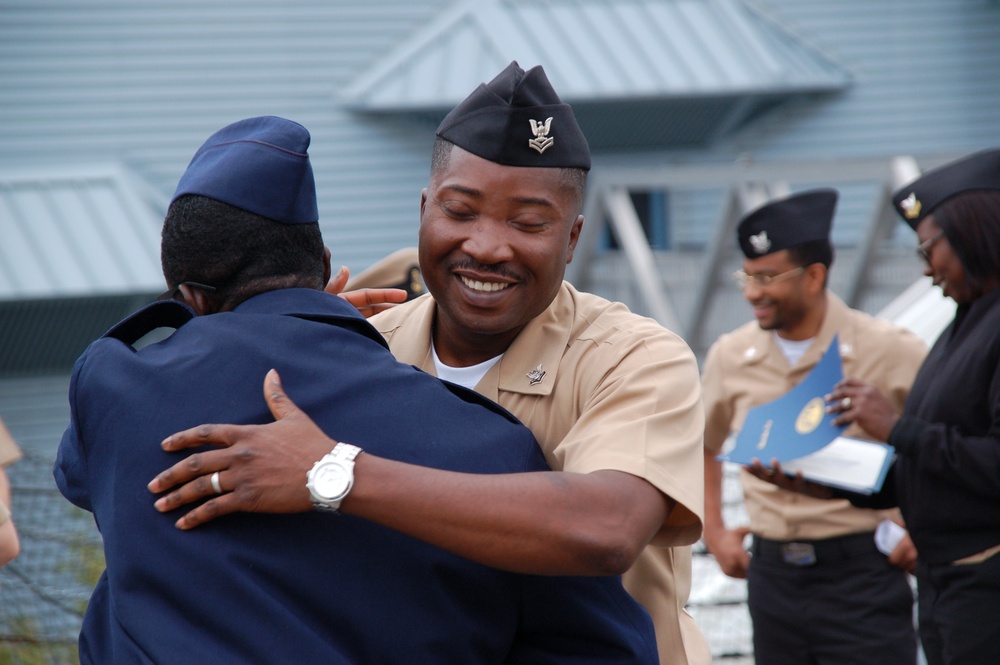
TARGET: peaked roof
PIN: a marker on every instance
(597, 53)
(70, 232)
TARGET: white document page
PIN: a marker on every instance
(847, 463)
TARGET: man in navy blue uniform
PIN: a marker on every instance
(245, 262)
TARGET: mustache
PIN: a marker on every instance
(495, 270)
(761, 302)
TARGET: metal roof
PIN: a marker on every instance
(712, 64)
(72, 232)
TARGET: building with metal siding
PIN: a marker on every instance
(926, 80)
(143, 84)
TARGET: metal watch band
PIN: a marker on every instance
(342, 454)
(344, 451)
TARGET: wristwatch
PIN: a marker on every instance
(331, 478)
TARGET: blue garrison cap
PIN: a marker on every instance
(795, 220)
(978, 171)
(259, 165)
(517, 119)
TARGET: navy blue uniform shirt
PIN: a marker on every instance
(313, 587)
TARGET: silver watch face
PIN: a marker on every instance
(331, 480)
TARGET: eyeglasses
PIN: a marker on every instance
(742, 279)
(924, 248)
(176, 291)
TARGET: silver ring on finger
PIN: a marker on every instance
(216, 485)
(845, 404)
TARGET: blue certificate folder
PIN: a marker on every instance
(796, 430)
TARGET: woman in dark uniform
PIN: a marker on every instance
(946, 478)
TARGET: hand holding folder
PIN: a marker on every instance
(796, 430)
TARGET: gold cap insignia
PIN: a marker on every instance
(536, 375)
(760, 242)
(911, 206)
(542, 140)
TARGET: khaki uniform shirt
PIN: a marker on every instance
(603, 388)
(9, 453)
(746, 368)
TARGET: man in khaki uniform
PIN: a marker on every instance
(600, 388)
(819, 590)
(613, 398)
(10, 545)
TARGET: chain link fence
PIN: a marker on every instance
(44, 592)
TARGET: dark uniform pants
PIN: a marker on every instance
(829, 602)
(959, 610)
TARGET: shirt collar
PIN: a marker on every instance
(531, 364)
(309, 304)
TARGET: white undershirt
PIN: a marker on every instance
(466, 377)
(793, 349)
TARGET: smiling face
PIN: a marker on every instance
(942, 263)
(494, 244)
(792, 307)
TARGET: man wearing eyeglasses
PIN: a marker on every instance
(819, 591)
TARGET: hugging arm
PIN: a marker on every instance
(592, 523)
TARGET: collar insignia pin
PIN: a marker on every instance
(760, 242)
(536, 375)
(542, 140)
(911, 206)
(750, 353)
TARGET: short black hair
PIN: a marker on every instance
(574, 178)
(971, 223)
(238, 252)
(815, 251)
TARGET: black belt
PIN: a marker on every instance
(802, 553)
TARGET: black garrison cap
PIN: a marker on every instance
(778, 225)
(517, 119)
(980, 170)
(259, 165)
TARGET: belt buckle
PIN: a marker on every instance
(798, 554)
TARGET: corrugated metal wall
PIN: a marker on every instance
(926, 83)
(145, 83)
(927, 79)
